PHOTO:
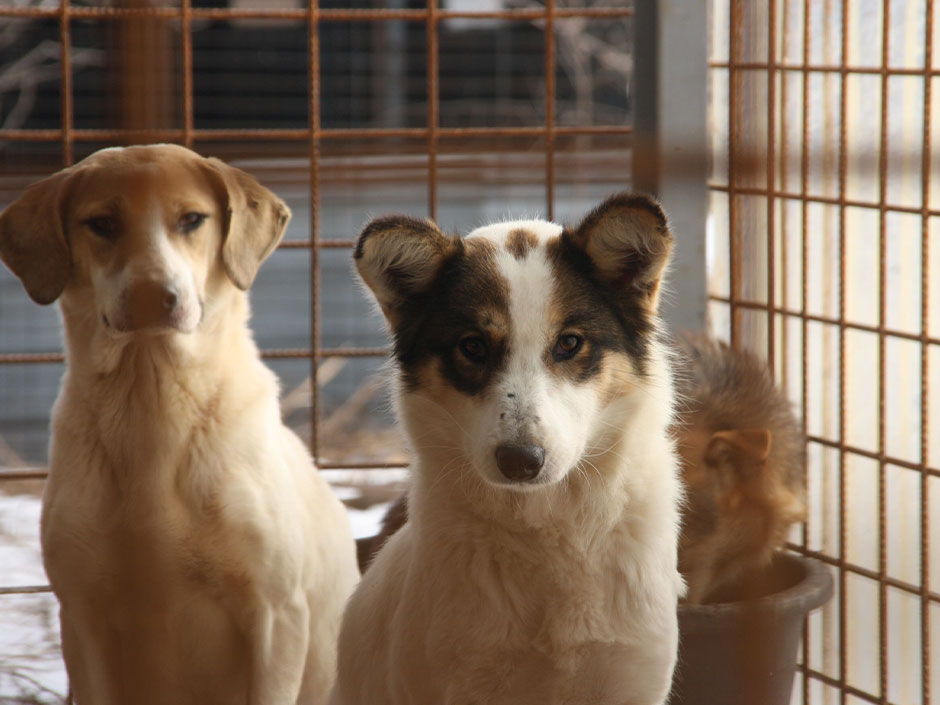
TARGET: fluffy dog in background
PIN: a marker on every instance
(538, 564)
(197, 555)
(743, 464)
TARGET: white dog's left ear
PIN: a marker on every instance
(255, 220)
(628, 240)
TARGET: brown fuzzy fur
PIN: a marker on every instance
(743, 464)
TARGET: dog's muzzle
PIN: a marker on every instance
(520, 463)
(149, 305)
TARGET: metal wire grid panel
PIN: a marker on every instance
(314, 135)
(423, 143)
(825, 208)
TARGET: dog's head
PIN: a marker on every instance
(143, 233)
(514, 344)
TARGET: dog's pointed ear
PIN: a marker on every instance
(254, 221)
(746, 450)
(627, 238)
(398, 258)
(33, 242)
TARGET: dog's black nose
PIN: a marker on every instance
(520, 462)
(169, 299)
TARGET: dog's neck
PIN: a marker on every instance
(96, 351)
(628, 475)
(215, 364)
(469, 509)
(196, 384)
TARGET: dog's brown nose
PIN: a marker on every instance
(151, 304)
(519, 462)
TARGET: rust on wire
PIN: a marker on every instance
(840, 322)
(925, 564)
(843, 425)
(65, 76)
(734, 28)
(785, 43)
(433, 115)
(826, 68)
(550, 14)
(301, 135)
(186, 39)
(826, 200)
(24, 589)
(778, 191)
(771, 180)
(868, 573)
(882, 361)
(323, 15)
(804, 179)
(313, 55)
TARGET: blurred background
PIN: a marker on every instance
(794, 144)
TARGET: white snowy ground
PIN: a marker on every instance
(31, 668)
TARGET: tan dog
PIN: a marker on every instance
(743, 464)
(197, 555)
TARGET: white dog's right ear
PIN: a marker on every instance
(32, 238)
(398, 258)
(627, 238)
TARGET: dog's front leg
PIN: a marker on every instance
(91, 658)
(280, 639)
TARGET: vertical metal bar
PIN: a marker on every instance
(313, 48)
(550, 108)
(733, 239)
(804, 245)
(647, 122)
(65, 68)
(784, 295)
(186, 38)
(924, 361)
(771, 180)
(882, 348)
(843, 424)
(784, 249)
(669, 141)
(433, 105)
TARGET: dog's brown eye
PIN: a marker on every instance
(567, 346)
(473, 347)
(104, 226)
(191, 221)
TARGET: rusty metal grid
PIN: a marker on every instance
(773, 161)
(310, 137)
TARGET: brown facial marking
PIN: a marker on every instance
(583, 305)
(520, 241)
(468, 296)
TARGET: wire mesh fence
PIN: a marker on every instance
(824, 199)
(823, 226)
(457, 111)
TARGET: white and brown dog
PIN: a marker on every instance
(538, 564)
(197, 555)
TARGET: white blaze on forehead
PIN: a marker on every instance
(531, 281)
(499, 232)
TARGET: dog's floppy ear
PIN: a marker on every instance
(627, 238)
(255, 220)
(33, 241)
(398, 258)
